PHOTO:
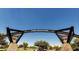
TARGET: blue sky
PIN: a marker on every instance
(40, 18)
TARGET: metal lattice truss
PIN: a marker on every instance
(67, 32)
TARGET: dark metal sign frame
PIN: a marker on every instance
(70, 34)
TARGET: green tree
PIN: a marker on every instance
(3, 42)
(75, 44)
(25, 45)
(42, 45)
(57, 48)
(1, 36)
(50, 48)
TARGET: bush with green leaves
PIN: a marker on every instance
(3, 43)
(42, 45)
(25, 45)
(75, 44)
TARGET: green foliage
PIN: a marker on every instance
(3, 43)
(50, 48)
(57, 48)
(25, 45)
(43, 45)
(75, 45)
(1, 36)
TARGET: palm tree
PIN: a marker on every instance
(25, 45)
(42, 45)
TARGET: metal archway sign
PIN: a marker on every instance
(69, 34)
